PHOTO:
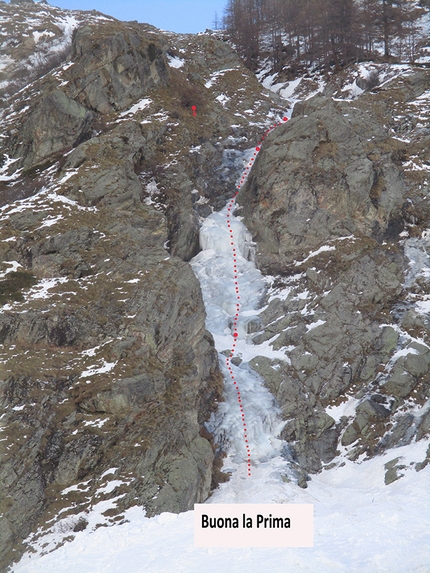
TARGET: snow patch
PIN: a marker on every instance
(175, 62)
(139, 106)
(103, 369)
(316, 324)
(312, 254)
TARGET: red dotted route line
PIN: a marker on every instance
(236, 284)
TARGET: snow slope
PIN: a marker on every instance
(361, 526)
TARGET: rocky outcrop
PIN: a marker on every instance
(332, 326)
(120, 373)
(107, 372)
(36, 39)
(115, 66)
(327, 201)
(55, 123)
(352, 185)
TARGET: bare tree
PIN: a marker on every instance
(327, 32)
(242, 20)
(369, 22)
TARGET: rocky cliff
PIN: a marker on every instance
(337, 201)
(107, 372)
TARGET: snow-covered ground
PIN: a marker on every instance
(361, 524)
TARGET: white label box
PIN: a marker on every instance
(253, 525)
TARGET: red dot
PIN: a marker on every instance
(235, 335)
(285, 118)
(257, 148)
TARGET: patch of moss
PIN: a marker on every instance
(12, 285)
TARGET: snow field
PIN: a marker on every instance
(361, 526)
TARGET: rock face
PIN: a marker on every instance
(353, 183)
(327, 201)
(118, 373)
(116, 67)
(107, 372)
(55, 123)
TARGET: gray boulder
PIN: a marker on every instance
(352, 185)
(115, 66)
(54, 124)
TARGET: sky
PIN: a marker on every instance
(184, 16)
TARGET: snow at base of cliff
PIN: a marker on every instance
(361, 525)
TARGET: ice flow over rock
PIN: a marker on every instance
(213, 267)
